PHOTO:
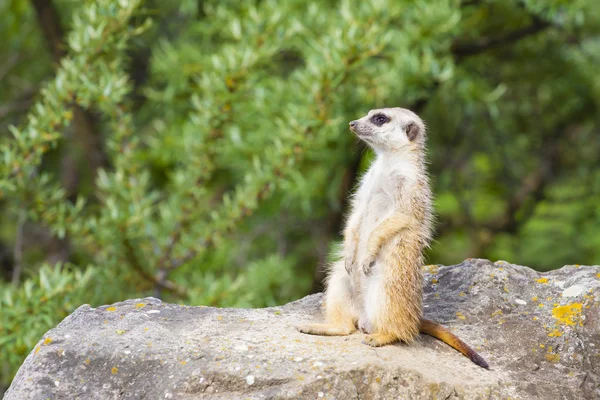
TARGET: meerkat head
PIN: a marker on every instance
(388, 129)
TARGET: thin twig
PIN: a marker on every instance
(461, 50)
(189, 255)
(133, 260)
(18, 252)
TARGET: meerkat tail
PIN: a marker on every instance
(439, 332)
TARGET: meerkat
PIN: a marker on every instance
(376, 286)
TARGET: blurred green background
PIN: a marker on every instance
(198, 150)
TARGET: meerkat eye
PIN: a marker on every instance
(379, 119)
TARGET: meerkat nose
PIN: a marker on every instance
(352, 124)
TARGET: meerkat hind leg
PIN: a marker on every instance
(379, 339)
(339, 311)
(326, 330)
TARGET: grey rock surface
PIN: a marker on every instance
(540, 334)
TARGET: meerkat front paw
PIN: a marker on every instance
(350, 250)
(350, 260)
(367, 265)
(350, 264)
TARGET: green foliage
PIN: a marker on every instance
(264, 283)
(227, 159)
(35, 307)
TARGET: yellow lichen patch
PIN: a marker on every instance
(87, 361)
(505, 289)
(140, 305)
(535, 298)
(553, 357)
(37, 349)
(461, 294)
(378, 379)
(120, 331)
(434, 281)
(541, 305)
(568, 314)
(48, 340)
(542, 345)
(460, 315)
(501, 322)
(182, 362)
(114, 370)
(497, 312)
(219, 318)
(542, 280)
(555, 333)
(146, 329)
(109, 309)
(432, 269)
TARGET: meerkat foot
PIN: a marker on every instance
(326, 330)
(378, 340)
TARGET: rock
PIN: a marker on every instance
(539, 332)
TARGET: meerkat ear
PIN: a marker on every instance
(412, 131)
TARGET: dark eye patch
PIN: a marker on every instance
(379, 119)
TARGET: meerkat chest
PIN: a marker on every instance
(379, 201)
(381, 193)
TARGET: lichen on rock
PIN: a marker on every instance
(539, 342)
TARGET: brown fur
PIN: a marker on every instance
(377, 286)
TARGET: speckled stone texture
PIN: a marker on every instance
(540, 334)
